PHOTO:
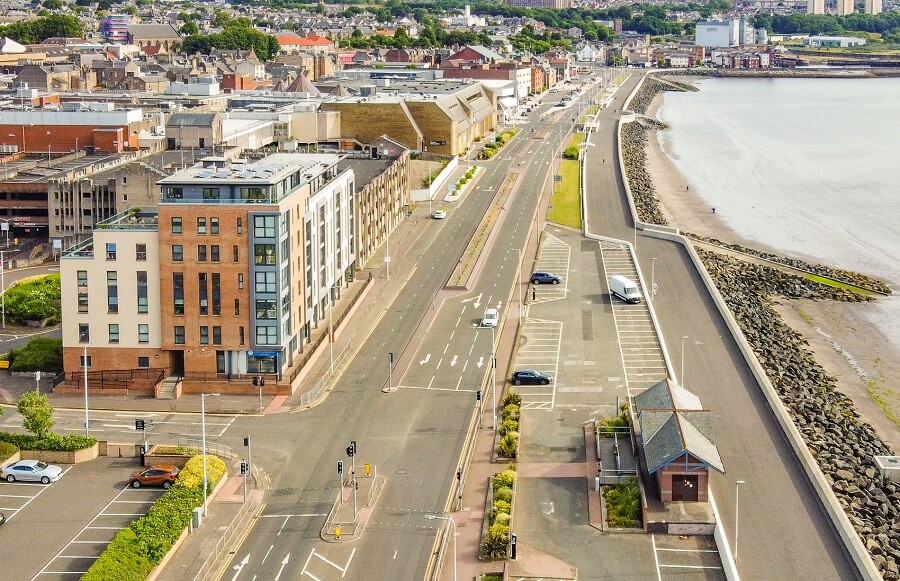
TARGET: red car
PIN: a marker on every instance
(160, 475)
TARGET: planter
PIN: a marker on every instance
(53, 457)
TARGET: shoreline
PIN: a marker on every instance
(844, 343)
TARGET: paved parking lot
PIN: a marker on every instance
(57, 530)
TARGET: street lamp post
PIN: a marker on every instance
(493, 376)
(452, 530)
(682, 360)
(653, 279)
(84, 361)
(49, 145)
(203, 432)
(737, 506)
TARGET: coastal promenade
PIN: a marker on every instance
(784, 531)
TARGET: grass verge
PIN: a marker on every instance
(565, 203)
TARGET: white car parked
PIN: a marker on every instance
(31, 471)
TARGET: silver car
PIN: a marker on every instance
(31, 471)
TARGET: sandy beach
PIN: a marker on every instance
(863, 361)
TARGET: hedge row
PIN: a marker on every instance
(490, 149)
(508, 444)
(7, 450)
(50, 442)
(136, 550)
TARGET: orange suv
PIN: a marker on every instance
(160, 475)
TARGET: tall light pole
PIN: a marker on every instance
(203, 432)
(682, 360)
(653, 279)
(48, 149)
(3, 280)
(452, 530)
(493, 376)
(84, 360)
(519, 276)
(737, 506)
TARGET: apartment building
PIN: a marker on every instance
(246, 258)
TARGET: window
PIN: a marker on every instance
(201, 225)
(240, 225)
(241, 335)
(142, 291)
(203, 293)
(214, 253)
(82, 291)
(264, 253)
(265, 282)
(201, 253)
(113, 333)
(143, 362)
(178, 293)
(204, 335)
(266, 309)
(110, 251)
(112, 291)
(140, 252)
(217, 335)
(264, 227)
(177, 226)
(216, 293)
(253, 194)
(267, 335)
(179, 335)
(234, 252)
(174, 193)
(237, 307)
(83, 363)
(177, 253)
(240, 281)
(84, 333)
(213, 225)
(143, 333)
(210, 193)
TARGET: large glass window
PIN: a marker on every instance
(177, 253)
(140, 252)
(143, 333)
(201, 225)
(264, 227)
(267, 335)
(217, 335)
(266, 309)
(253, 194)
(84, 333)
(264, 253)
(216, 293)
(110, 251)
(177, 226)
(214, 253)
(203, 293)
(204, 335)
(213, 225)
(179, 335)
(201, 253)
(210, 193)
(265, 282)
(113, 333)
(112, 291)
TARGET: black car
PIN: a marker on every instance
(530, 377)
(544, 278)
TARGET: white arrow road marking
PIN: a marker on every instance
(477, 302)
(480, 362)
(238, 568)
(453, 361)
(424, 361)
(283, 565)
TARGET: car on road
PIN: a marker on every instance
(31, 471)
(158, 475)
(544, 278)
(490, 318)
(439, 214)
(530, 377)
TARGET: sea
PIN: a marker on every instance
(807, 166)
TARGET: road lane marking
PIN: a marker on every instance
(267, 554)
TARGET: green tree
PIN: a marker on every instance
(190, 27)
(37, 413)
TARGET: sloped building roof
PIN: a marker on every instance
(152, 31)
(302, 85)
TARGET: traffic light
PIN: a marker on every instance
(255, 381)
(340, 467)
(478, 395)
(244, 468)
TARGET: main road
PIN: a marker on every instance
(784, 531)
(414, 434)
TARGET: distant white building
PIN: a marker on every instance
(815, 6)
(873, 7)
(724, 33)
(834, 41)
(588, 53)
(845, 7)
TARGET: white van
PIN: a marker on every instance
(625, 289)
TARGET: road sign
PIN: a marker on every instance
(139, 425)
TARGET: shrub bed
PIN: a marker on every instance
(136, 550)
(496, 542)
(623, 504)
(508, 445)
(40, 354)
(7, 450)
(491, 149)
(34, 300)
(49, 442)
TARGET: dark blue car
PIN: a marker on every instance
(530, 377)
(545, 278)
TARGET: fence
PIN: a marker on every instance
(234, 528)
(116, 378)
(211, 447)
(310, 396)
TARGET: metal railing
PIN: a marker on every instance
(211, 447)
(224, 541)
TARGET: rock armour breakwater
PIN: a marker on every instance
(634, 158)
(843, 446)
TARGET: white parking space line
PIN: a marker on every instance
(13, 511)
(540, 352)
(554, 257)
